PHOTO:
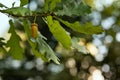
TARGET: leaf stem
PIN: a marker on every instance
(34, 18)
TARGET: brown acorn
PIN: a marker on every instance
(34, 30)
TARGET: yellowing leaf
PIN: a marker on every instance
(16, 51)
(59, 33)
(90, 3)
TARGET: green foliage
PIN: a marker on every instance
(45, 50)
(53, 4)
(86, 28)
(2, 49)
(18, 11)
(1, 5)
(2, 43)
(23, 2)
(16, 51)
(26, 26)
(50, 12)
(58, 32)
(50, 4)
(74, 9)
(39, 47)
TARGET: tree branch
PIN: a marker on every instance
(38, 14)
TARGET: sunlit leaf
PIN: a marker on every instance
(86, 28)
(18, 11)
(59, 33)
(16, 51)
(46, 50)
(90, 3)
(23, 2)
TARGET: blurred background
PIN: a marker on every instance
(99, 61)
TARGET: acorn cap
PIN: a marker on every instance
(34, 24)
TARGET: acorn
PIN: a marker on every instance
(34, 30)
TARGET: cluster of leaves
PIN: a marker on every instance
(73, 8)
(39, 47)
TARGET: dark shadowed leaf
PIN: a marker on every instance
(1, 5)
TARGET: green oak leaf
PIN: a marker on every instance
(86, 28)
(46, 50)
(74, 9)
(26, 26)
(2, 5)
(16, 51)
(18, 11)
(50, 4)
(23, 2)
(59, 32)
(3, 50)
(2, 43)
